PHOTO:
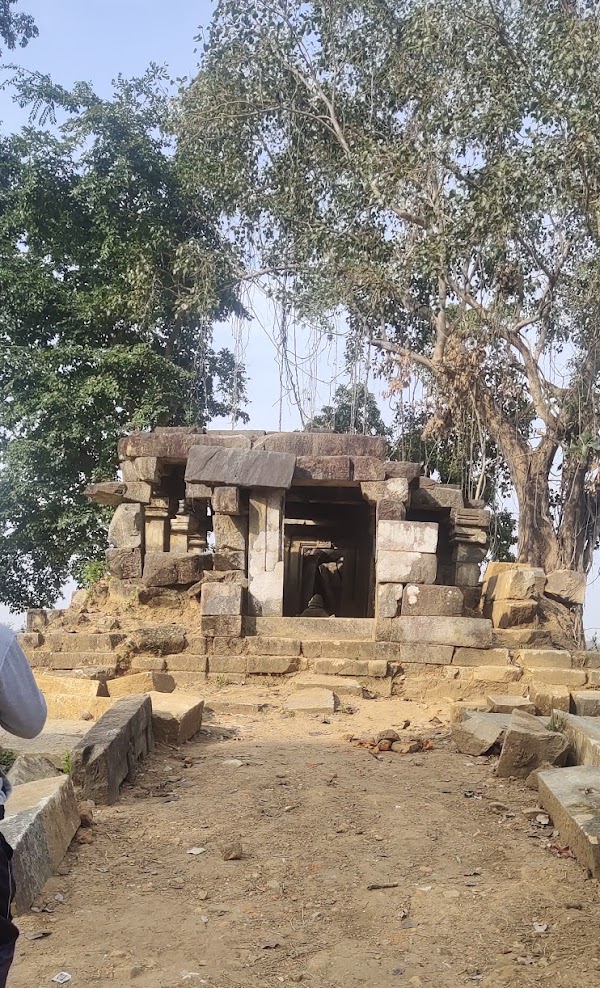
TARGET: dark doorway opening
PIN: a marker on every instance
(329, 550)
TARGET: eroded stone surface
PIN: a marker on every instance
(41, 820)
(176, 717)
(572, 799)
(315, 701)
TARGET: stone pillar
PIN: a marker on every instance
(157, 526)
(265, 554)
(179, 532)
(231, 540)
(469, 541)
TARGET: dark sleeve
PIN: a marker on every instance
(22, 706)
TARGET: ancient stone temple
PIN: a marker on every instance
(219, 541)
(265, 521)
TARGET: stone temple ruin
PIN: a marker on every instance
(218, 542)
(220, 539)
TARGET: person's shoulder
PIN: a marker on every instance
(7, 637)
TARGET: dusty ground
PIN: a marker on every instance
(480, 898)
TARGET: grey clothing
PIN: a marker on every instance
(22, 706)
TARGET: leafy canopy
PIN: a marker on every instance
(432, 169)
(16, 28)
(111, 274)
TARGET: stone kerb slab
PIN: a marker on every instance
(108, 754)
(460, 632)
(572, 798)
(42, 819)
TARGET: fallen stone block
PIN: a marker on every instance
(586, 703)
(544, 658)
(460, 709)
(499, 704)
(56, 742)
(432, 601)
(517, 584)
(84, 689)
(32, 768)
(481, 657)
(70, 706)
(548, 698)
(340, 685)
(478, 733)
(175, 718)
(572, 799)
(141, 682)
(111, 749)
(584, 735)
(560, 677)
(527, 744)
(566, 586)
(41, 820)
(311, 702)
(405, 567)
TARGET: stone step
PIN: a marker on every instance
(311, 629)
(69, 660)
(340, 685)
(60, 641)
(376, 668)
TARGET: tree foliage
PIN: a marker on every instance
(16, 28)
(432, 168)
(353, 409)
(111, 275)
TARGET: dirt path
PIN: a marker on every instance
(479, 900)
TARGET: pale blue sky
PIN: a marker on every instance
(95, 40)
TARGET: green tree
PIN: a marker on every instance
(111, 275)
(432, 168)
(354, 409)
(16, 28)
